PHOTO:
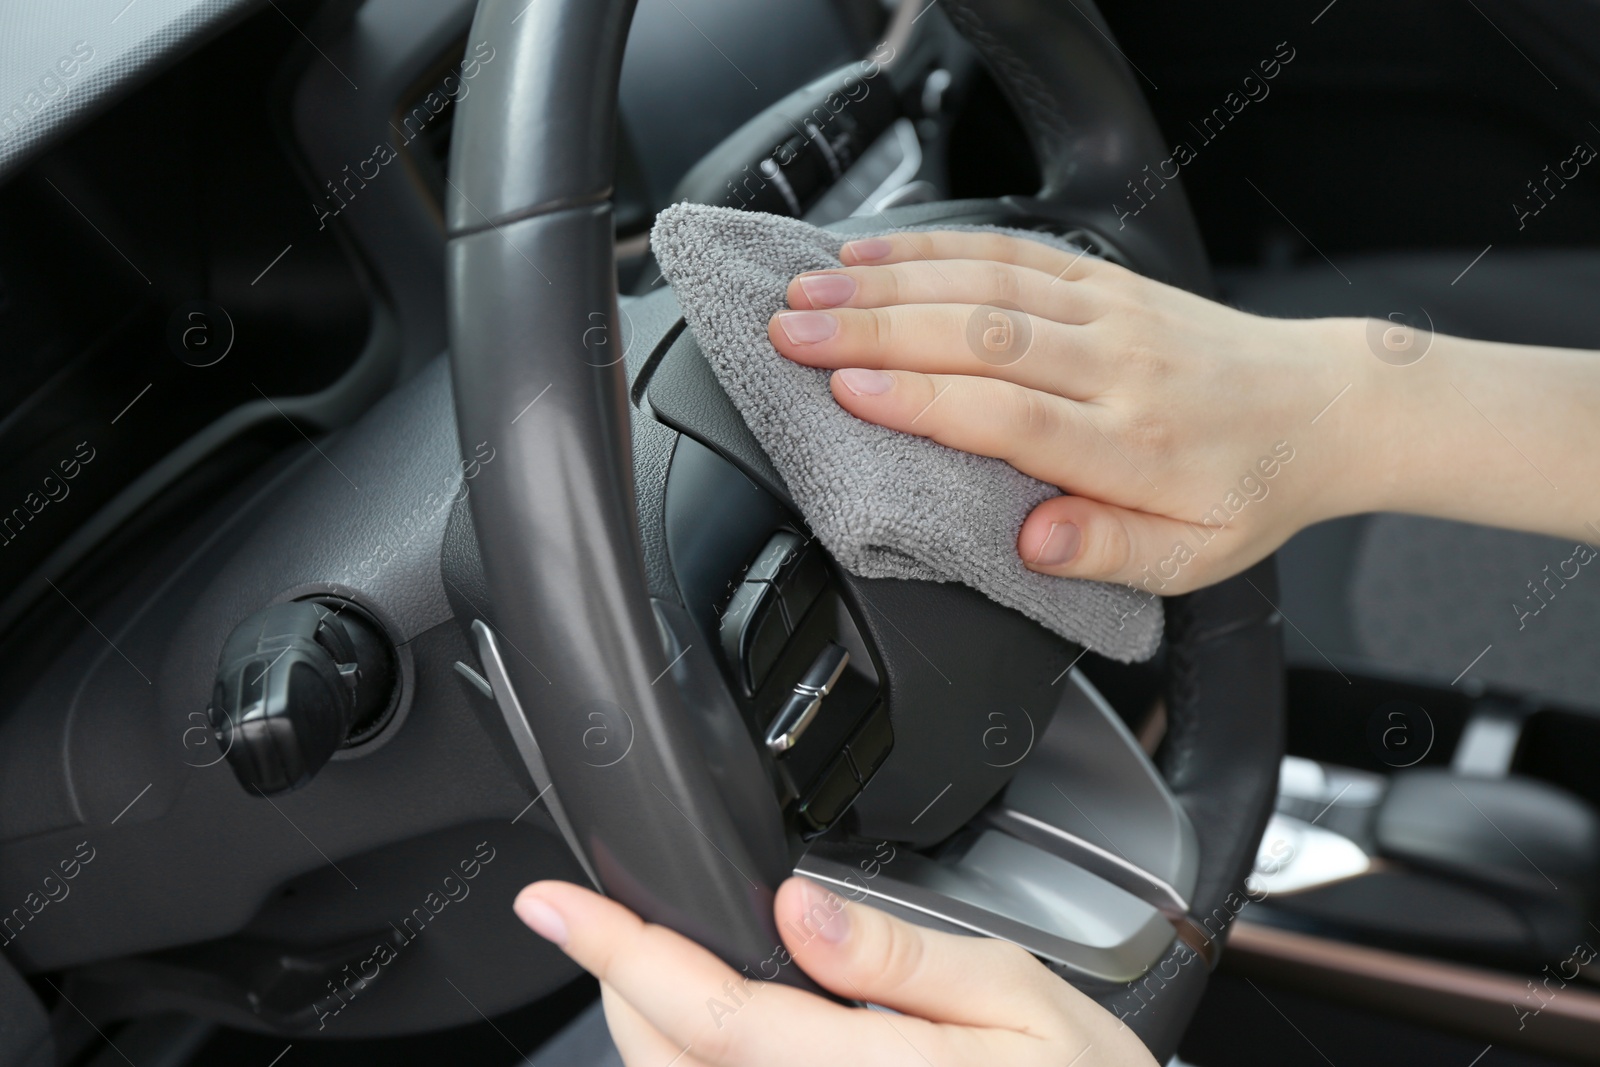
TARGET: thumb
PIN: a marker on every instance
(1075, 537)
(863, 954)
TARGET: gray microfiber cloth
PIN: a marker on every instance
(884, 503)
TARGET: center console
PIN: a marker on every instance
(1457, 829)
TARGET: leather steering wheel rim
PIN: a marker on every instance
(530, 275)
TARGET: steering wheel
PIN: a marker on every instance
(594, 626)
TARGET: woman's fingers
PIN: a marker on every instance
(991, 341)
(1045, 436)
(935, 245)
(966, 1000)
(954, 281)
(1064, 443)
(698, 1004)
(1076, 537)
(640, 1044)
(1008, 309)
(863, 954)
(999, 1004)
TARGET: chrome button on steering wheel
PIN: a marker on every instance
(806, 700)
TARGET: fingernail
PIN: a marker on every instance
(827, 290)
(807, 327)
(868, 248)
(864, 382)
(1060, 545)
(824, 913)
(541, 918)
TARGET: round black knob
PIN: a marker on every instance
(289, 691)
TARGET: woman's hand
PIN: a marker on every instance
(1187, 432)
(964, 1000)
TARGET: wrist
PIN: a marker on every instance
(1353, 414)
(1407, 436)
(1484, 432)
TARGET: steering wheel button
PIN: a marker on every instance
(832, 795)
(797, 713)
(754, 632)
(801, 582)
(766, 638)
(778, 552)
(824, 672)
(872, 742)
(803, 704)
(741, 609)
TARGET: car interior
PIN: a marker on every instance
(376, 539)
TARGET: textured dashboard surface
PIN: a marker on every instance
(58, 60)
